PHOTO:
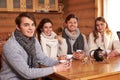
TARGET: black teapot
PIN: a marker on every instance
(98, 54)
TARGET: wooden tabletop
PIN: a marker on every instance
(91, 71)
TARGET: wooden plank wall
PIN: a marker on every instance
(7, 24)
(84, 9)
(86, 12)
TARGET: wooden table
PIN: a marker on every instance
(91, 71)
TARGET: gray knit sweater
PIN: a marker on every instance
(14, 62)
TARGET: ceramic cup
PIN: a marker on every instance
(63, 61)
(79, 50)
(69, 56)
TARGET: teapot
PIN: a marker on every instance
(98, 54)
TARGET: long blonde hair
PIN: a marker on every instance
(95, 32)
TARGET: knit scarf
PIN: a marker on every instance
(29, 45)
(74, 42)
(49, 44)
(72, 37)
(52, 36)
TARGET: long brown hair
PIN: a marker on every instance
(95, 32)
(40, 26)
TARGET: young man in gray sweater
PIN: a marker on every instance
(22, 53)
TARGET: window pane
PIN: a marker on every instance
(41, 3)
(112, 14)
(16, 3)
(29, 4)
(52, 3)
(3, 4)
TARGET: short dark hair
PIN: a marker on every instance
(24, 14)
(70, 16)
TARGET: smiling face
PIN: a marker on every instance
(27, 27)
(101, 26)
(72, 24)
(47, 29)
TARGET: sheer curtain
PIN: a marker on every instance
(112, 14)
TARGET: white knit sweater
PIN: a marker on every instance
(52, 47)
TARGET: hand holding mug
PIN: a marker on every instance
(79, 54)
(63, 66)
(62, 57)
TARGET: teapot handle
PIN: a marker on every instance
(91, 52)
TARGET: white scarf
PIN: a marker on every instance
(103, 45)
(49, 45)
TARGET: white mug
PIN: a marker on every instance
(63, 61)
(79, 51)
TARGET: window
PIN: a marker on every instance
(29, 4)
(3, 4)
(112, 14)
(16, 3)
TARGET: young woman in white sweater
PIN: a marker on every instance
(52, 45)
(101, 37)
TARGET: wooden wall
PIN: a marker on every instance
(7, 24)
(86, 10)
